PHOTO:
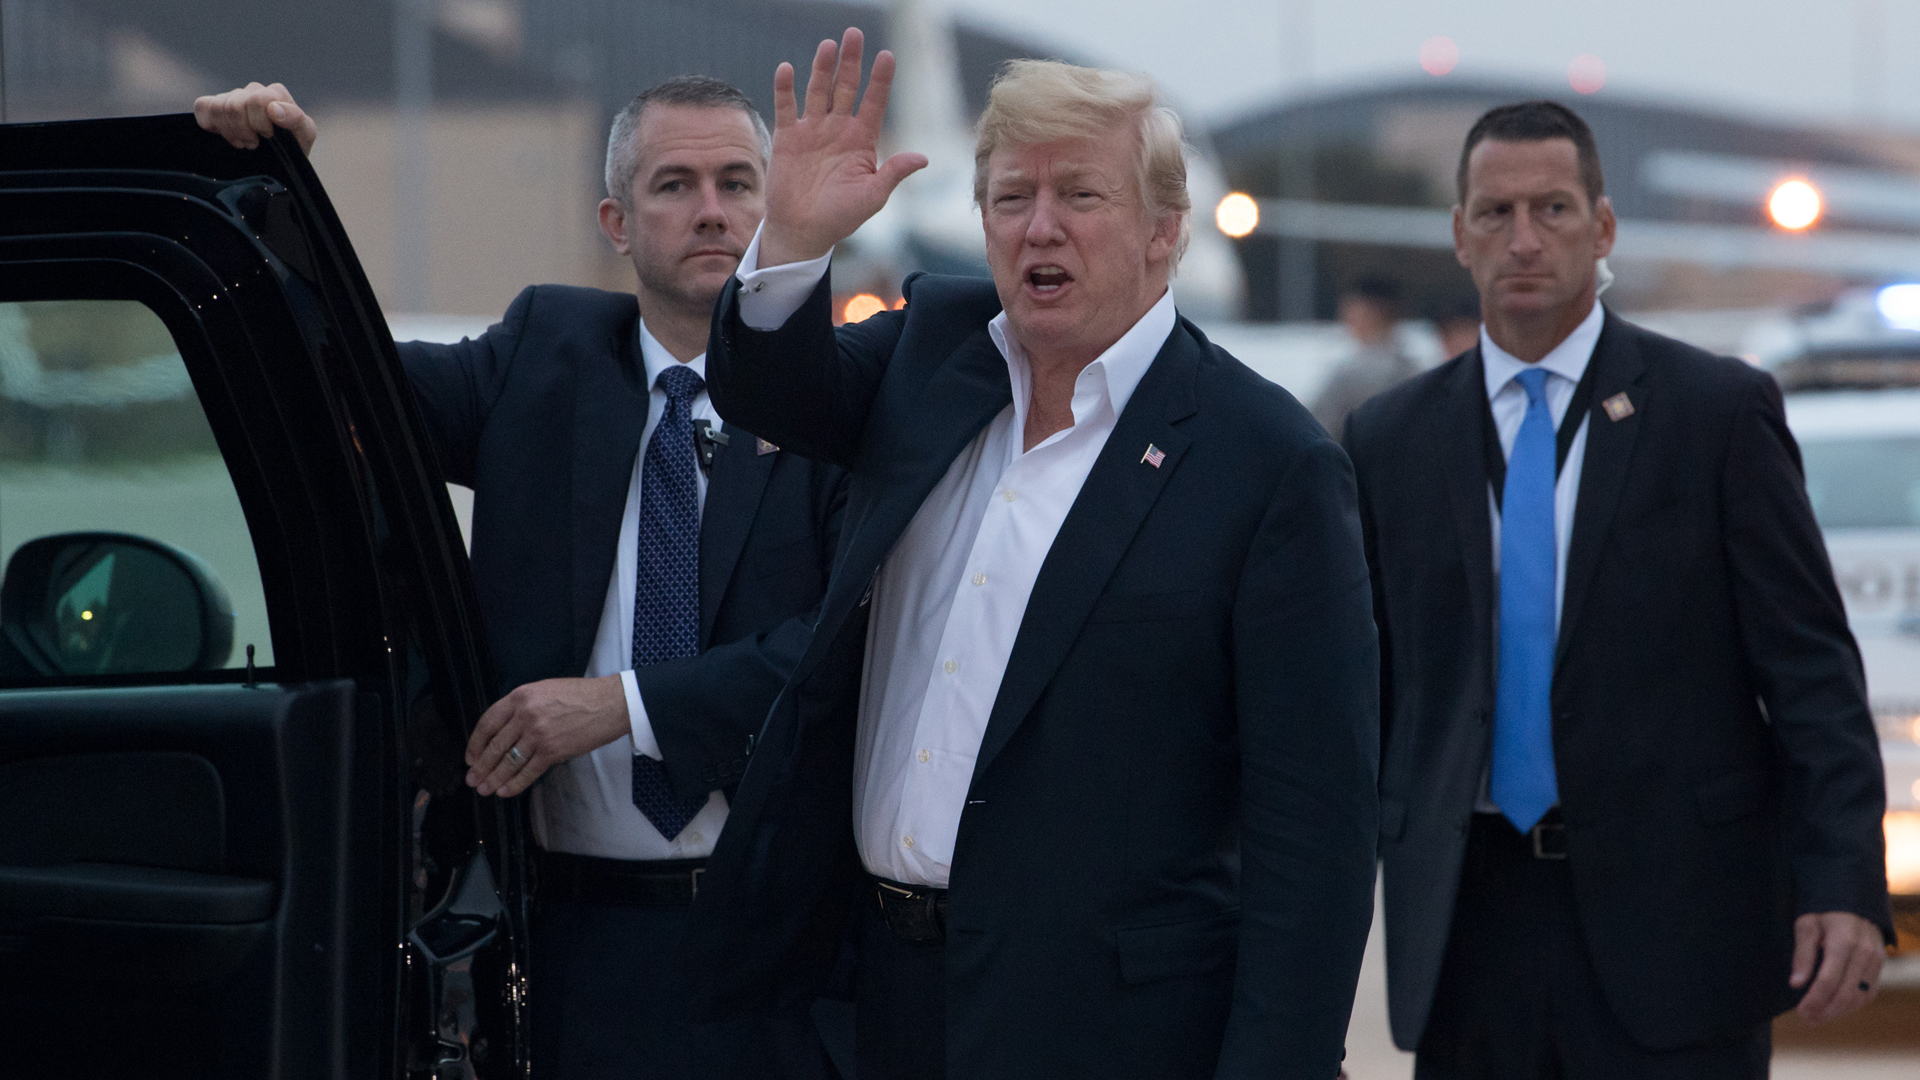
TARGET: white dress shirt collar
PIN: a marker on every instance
(657, 359)
(1567, 359)
(1116, 372)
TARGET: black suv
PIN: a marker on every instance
(239, 654)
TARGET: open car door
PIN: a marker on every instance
(238, 650)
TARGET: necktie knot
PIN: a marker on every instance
(681, 384)
(1533, 381)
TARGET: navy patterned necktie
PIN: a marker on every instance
(666, 602)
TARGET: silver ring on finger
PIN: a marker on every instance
(514, 755)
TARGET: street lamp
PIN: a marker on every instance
(1237, 215)
(1794, 205)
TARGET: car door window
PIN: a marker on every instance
(101, 432)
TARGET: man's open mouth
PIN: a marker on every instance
(1047, 278)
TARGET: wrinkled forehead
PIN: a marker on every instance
(1107, 161)
(709, 136)
(1506, 169)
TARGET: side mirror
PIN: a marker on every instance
(101, 603)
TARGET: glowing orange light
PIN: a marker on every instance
(1903, 851)
(900, 304)
(863, 306)
(1794, 205)
(1439, 55)
(1237, 215)
(1586, 74)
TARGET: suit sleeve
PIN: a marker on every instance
(456, 386)
(705, 709)
(1306, 696)
(1370, 541)
(805, 386)
(1794, 629)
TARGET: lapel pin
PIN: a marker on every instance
(1618, 407)
(763, 447)
(1154, 455)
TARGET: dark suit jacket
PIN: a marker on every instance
(1718, 767)
(542, 416)
(1165, 863)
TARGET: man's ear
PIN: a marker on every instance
(1460, 235)
(1166, 237)
(1603, 211)
(613, 222)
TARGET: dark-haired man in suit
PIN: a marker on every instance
(1630, 789)
(1084, 744)
(623, 532)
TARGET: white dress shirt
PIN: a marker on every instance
(585, 806)
(949, 599)
(1508, 400)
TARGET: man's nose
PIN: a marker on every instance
(712, 215)
(1044, 227)
(1526, 236)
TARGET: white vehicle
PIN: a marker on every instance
(1862, 454)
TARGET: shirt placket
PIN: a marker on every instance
(966, 678)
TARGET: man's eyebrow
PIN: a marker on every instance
(677, 171)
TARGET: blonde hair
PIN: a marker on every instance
(1042, 101)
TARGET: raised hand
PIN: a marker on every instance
(245, 116)
(826, 178)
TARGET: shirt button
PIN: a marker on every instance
(907, 840)
(952, 666)
(1007, 495)
(695, 838)
(925, 757)
(979, 579)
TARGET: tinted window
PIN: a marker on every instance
(1864, 483)
(101, 431)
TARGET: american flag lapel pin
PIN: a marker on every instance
(763, 447)
(1618, 407)
(1154, 455)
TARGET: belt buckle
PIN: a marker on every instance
(1539, 850)
(911, 916)
(697, 871)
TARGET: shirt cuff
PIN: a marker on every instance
(643, 740)
(768, 298)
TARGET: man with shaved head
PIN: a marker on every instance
(1083, 750)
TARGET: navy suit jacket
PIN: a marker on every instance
(1719, 771)
(542, 417)
(1165, 864)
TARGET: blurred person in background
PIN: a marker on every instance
(621, 532)
(1084, 746)
(1631, 794)
(1369, 311)
(1458, 324)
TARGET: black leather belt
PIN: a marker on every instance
(1547, 838)
(912, 912)
(649, 883)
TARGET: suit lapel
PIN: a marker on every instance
(1459, 434)
(739, 477)
(1112, 504)
(964, 393)
(610, 412)
(1603, 474)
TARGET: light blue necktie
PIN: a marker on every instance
(1523, 781)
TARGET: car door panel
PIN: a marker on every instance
(276, 873)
